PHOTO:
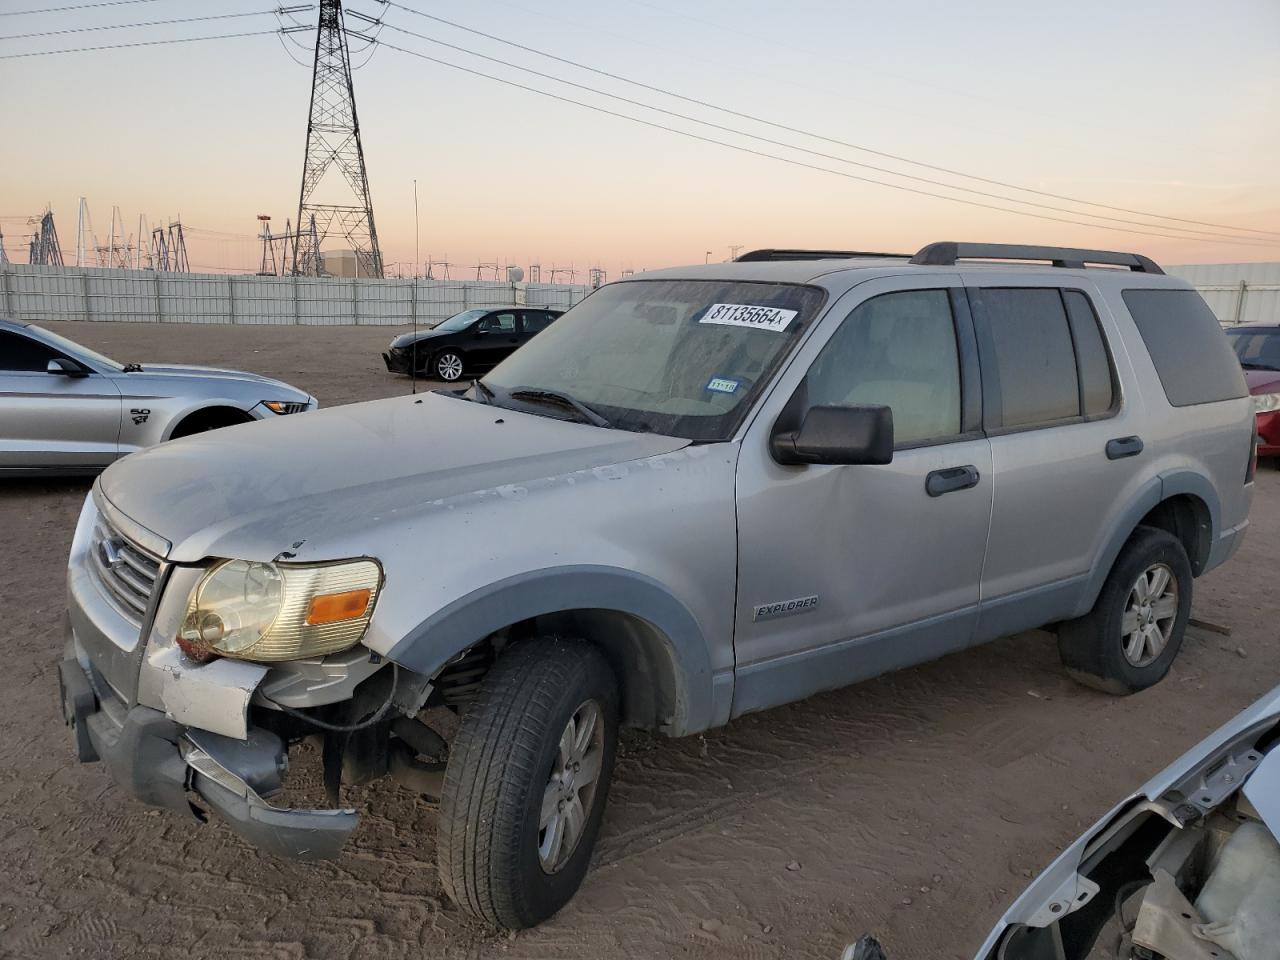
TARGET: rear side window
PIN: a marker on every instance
(1035, 363)
(1097, 387)
(1187, 346)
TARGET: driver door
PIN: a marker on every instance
(846, 572)
(53, 421)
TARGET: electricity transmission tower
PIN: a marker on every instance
(44, 249)
(333, 147)
(169, 249)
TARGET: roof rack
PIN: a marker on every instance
(946, 253)
(756, 256)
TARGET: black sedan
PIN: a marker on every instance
(471, 341)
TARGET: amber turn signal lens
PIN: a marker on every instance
(336, 607)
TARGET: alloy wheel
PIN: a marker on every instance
(449, 366)
(1147, 623)
(571, 788)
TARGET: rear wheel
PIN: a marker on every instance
(448, 366)
(527, 780)
(1130, 638)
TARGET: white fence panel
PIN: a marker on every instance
(92, 293)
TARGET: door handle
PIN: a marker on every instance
(1122, 447)
(939, 482)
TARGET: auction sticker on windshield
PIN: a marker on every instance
(746, 315)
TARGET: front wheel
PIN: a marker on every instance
(527, 780)
(1128, 641)
(448, 366)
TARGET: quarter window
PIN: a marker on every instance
(899, 350)
(22, 354)
(1187, 346)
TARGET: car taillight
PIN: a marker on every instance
(1252, 469)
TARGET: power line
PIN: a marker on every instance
(143, 23)
(799, 163)
(78, 6)
(1190, 233)
(842, 143)
(140, 43)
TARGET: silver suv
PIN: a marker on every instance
(702, 492)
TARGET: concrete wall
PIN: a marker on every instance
(93, 293)
(1236, 292)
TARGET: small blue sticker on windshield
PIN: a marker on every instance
(723, 385)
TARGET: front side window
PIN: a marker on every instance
(499, 323)
(896, 350)
(684, 358)
(23, 355)
(1035, 362)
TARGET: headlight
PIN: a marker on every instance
(1266, 402)
(279, 611)
(284, 406)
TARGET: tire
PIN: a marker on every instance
(448, 366)
(495, 860)
(1095, 648)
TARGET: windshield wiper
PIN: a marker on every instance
(538, 394)
(1250, 365)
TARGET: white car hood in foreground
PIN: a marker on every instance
(1060, 886)
(255, 490)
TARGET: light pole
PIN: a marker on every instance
(707, 258)
(416, 260)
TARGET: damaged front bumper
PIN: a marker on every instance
(166, 764)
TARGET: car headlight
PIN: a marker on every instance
(279, 611)
(284, 406)
(1266, 402)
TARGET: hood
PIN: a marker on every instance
(255, 490)
(163, 372)
(1060, 890)
(1262, 381)
(424, 334)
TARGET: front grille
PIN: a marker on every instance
(124, 571)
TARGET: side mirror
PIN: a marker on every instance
(65, 368)
(837, 435)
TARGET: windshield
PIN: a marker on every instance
(678, 357)
(460, 321)
(1256, 349)
(71, 348)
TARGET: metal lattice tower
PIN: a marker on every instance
(333, 147)
(44, 249)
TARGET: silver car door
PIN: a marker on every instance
(53, 421)
(845, 572)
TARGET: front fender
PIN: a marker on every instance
(469, 619)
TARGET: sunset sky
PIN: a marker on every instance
(1168, 108)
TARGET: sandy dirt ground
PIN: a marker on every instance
(915, 806)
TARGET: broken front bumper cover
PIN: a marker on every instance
(162, 763)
